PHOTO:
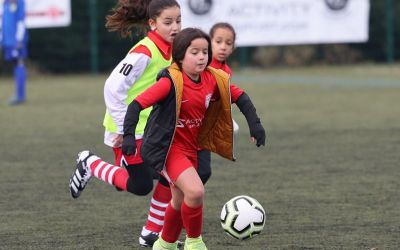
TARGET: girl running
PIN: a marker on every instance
(135, 73)
(222, 39)
(179, 126)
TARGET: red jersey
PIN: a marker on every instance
(221, 65)
(195, 100)
(224, 66)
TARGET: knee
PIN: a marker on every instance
(145, 189)
(141, 188)
(195, 194)
(140, 180)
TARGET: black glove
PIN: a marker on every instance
(129, 145)
(257, 131)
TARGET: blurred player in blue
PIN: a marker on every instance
(13, 40)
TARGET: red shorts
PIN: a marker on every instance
(121, 160)
(178, 161)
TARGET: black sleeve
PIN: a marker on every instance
(130, 122)
(246, 106)
(131, 118)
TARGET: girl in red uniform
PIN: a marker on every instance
(223, 38)
(179, 125)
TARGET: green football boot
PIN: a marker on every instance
(194, 244)
(161, 244)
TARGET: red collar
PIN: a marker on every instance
(162, 45)
(217, 64)
(221, 65)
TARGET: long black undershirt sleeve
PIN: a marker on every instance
(130, 122)
(246, 106)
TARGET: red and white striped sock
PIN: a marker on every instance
(109, 173)
(158, 205)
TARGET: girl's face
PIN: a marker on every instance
(168, 23)
(222, 44)
(196, 58)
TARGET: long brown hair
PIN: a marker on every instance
(134, 14)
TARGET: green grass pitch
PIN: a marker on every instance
(328, 177)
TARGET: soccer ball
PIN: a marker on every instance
(242, 217)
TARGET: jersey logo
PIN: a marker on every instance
(180, 124)
(189, 123)
(208, 99)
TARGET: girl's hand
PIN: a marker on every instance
(257, 133)
(117, 141)
(129, 145)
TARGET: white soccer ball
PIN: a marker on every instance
(242, 217)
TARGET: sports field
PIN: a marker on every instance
(329, 177)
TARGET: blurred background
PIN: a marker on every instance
(86, 46)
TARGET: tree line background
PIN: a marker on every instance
(67, 50)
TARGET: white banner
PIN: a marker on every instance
(283, 22)
(46, 13)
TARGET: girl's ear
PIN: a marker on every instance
(152, 24)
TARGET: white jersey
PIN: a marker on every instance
(116, 90)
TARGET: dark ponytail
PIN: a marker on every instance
(134, 14)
